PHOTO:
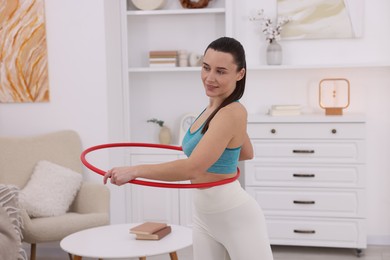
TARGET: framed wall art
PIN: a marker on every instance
(23, 52)
(322, 19)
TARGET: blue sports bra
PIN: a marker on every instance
(228, 161)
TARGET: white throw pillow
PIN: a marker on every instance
(50, 191)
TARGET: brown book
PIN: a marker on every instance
(155, 236)
(148, 228)
(162, 53)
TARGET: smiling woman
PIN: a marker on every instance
(23, 56)
(227, 221)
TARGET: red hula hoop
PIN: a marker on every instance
(151, 183)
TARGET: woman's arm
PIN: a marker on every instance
(222, 129)
(194, 168)
(182, 169)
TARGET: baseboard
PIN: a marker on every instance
(378, 240)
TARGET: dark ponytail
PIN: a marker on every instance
(234, 47)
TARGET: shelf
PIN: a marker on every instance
(267, 67)
(318, 66)
(307, 118)
(162, 69)
(177, 12)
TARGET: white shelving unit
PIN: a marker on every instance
(143, 86)
(320, 66)
(153, 92)
(178, 11)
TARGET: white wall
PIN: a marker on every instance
(77, 78)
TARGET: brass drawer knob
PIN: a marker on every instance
(273, 131)
(334, 131)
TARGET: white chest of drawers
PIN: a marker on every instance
(308, 175)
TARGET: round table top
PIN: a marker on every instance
(115, 241)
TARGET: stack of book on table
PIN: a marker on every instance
(163, 58)
(285, 110)
(151, 231)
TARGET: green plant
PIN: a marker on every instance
(156, 121)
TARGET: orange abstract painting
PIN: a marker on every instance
(23, 52)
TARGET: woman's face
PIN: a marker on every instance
(219, 74)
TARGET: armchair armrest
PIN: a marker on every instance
(91, 198)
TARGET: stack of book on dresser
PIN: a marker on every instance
(163, 58)
(151, 231)
(285, 110)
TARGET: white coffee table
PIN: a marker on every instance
(115, 241)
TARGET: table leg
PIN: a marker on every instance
(173, 256)
(76, 257)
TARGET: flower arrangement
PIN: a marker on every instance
(156, 121)
(271, 31)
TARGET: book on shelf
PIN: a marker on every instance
(148, 228)
(286, 107)
(162, 60)
(169, 65)
(163, 54)
(156, 235)
(273, 112)
(285, 110)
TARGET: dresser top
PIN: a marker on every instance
(307, 118)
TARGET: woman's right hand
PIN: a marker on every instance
(120, 175)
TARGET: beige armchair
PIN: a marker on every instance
(18, 157)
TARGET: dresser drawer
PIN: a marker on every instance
(349, 233)
(310, 202)
(306, 130)
(304, 175)
(310, 151)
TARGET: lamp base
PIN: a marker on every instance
(334, 111)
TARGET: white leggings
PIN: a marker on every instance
(229, 224)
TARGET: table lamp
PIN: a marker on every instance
(334, 95)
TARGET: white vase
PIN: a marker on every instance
(274, 53)
(165, 135)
